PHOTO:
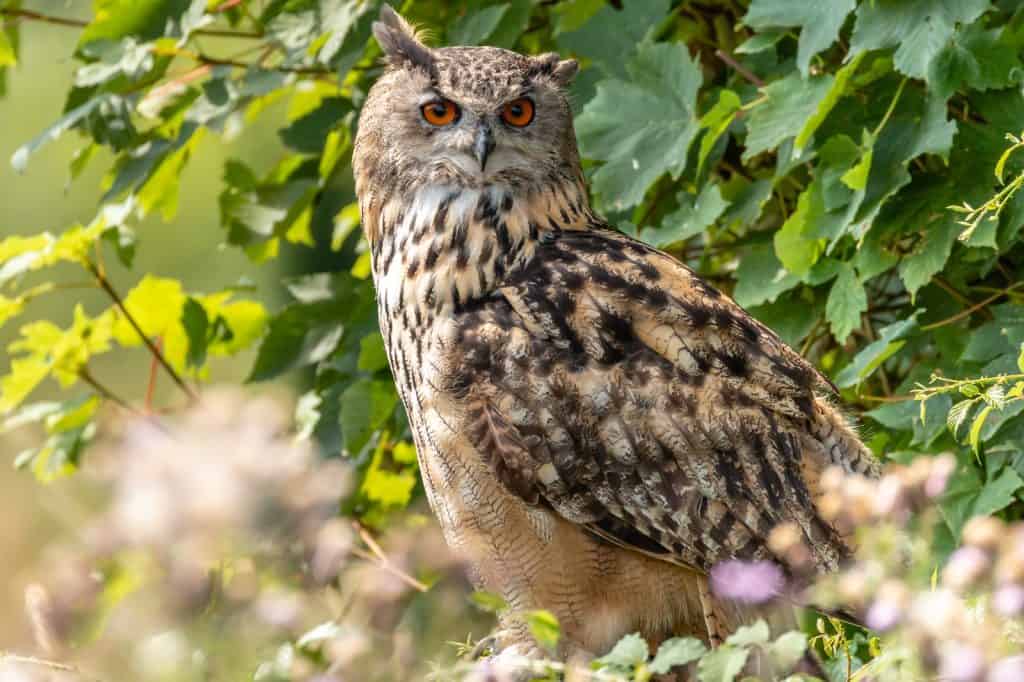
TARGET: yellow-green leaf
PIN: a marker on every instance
(25, 375)
(155, 303)
(544, 627)
(979, 421)
(7, 54)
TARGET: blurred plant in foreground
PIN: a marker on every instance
(219, 542)
(219, 545)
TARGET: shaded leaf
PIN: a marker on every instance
(819, 23)
(674, 652)
(660, 100)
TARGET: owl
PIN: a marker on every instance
(596, 425)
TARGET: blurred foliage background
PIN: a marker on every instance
(178, 212)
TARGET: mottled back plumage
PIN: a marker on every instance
(596, 425)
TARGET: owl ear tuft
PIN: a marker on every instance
(565, 71)
(399, 41)
(550, 65)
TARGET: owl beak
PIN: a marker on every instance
(483, 145)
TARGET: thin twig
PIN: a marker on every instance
(79, 23)
(885, 398)
(381, 559)
(966, 312)
(106, 393)
(952, 291)
(739, 68)
(892, 107)
(151, 385)
(44, 663)
(203, 58)
(119, 302)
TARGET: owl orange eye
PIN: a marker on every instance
(440, 112)
(518, 112)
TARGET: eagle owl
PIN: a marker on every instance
(596, 425)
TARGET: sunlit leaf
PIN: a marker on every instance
(544, 627)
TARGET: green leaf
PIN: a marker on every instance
(975, 58)
(475, 27)
(857, 177)
(59, 455)
(660, 100)
(761, 41)
(958, 415)
(796, 248)
(674, 652)
(918, 29)
(760, 277)
(931, 254)
(722, 664)
(372, 354)
(300, 335)
(319, 634)
(819, 23)
(611, 35)
(19, 160)
(790, 104)
(790, 316)
(141, 19)
(196, 324)
(749, 635)
(109, 60)
(307, 414)
(385, 485)
(837, 88)
(156, 304)
(365, 405)
(256, 213)
(544, 627)
(628, 652)
(998, 493)
(787, 650)
(488, 601)
(974, 437)
(716, 122)
(747, 203)
(889, 342)
(691, 218)
(847, 300)
(8, 57)
(319, 28)
(309, 133)
(512, 25)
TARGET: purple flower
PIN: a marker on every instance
(749, 582)
(1007, 670)
(883, 615)
(942, 468)
(1009, 601)
(962, 663)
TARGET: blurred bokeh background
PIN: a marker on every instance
(44, 198)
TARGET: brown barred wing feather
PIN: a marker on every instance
(613, 385)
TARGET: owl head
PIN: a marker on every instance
(463, 116)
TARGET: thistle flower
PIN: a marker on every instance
(747, 582)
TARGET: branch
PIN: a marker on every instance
(966, 312)
(379, 558)
(106, 393)
(31, 15)
(739, 68)
(116, 298)
(43, 663)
